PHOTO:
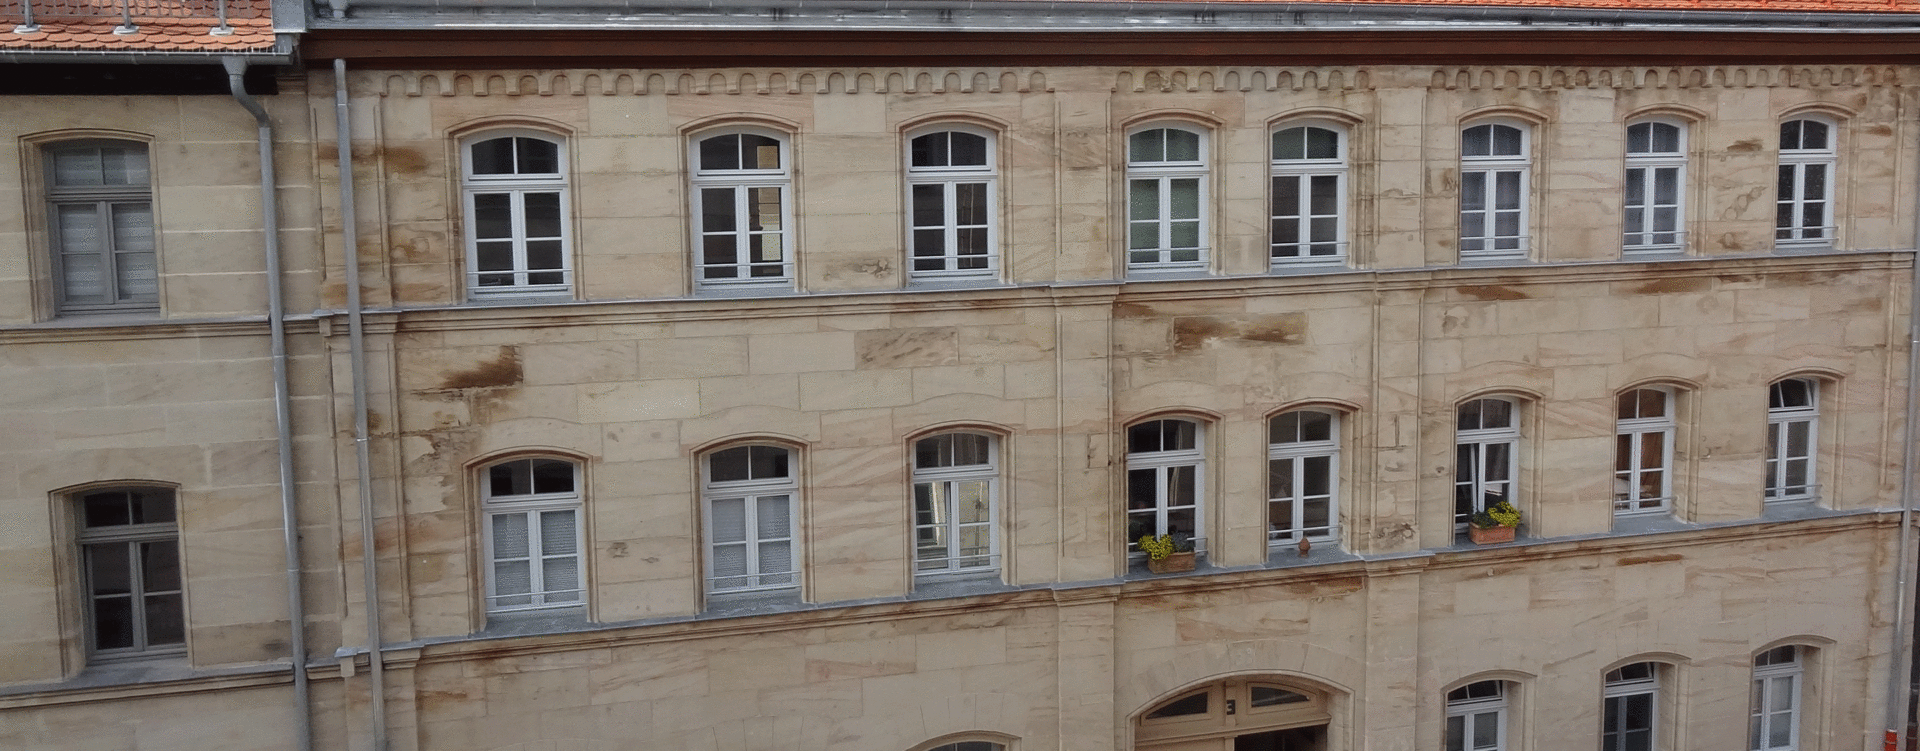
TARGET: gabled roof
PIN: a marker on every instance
(87, 27)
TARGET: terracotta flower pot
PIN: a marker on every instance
(1173, 562)
(1489, 535)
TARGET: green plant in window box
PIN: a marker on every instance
(1167, 553)
(1495, 524)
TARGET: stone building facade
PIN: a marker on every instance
(734, 391)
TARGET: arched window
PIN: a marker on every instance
(956, 481)
(1793, 428)
(1486, 447)
(1309, 195)
(515, 189)
(1256, 713)
(1303, 477)
(100, 213)
(1643, 451)
(1774, 712)
(1495, 162)
(532, 509)
(951, 185)
(1165, 481)
(1166, 199)
(1656, 183)
(969, 746)
(1804, 201)
(751, 497)
(1477, 717)
(742, 210)
(130, 560)
(1632, 703)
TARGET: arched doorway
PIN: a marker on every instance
(1238, 714)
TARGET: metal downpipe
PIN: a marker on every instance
(1900, 656)
(282, 404)
(357, 356)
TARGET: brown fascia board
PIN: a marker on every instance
(708, 49)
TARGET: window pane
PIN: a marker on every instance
(109, 572)
(1143, 490)
(492, 215)
(1325, 195)
(1290, 144)
(557, 533)
(543, 214)
(510, 536)
(770, 517)
(166, 620)
(728, 465)
(160, 566)
(558, 576)
(1476, 141)
(493, 156)
(759, 152)
(1147, 146)
(1506, 141)
(729, 520)
(969, 150)
(929, 205)
(1813, 134)
(720, 152)
(1322, 144)
(929, 150)
(1486, 730)
(551, 476)
(768, 462)
(1190, 704)
(970, 203)
(538, 157)
(113, 623)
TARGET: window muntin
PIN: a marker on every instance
(1166, 199)
(1656, 182)
(100, 212)
(742, 209)
(1632, 693)
(1486, 443)
(1643, 452)
(533, 541)
(955, 488)
(1793, 420)
(1495, 160)
(1165, 481)
(130, 558)
(750, 499)
(1303, 474)
(951, 194)
(1803, 211)
(1477, 717)
(1308, 199)
(1774, 710)
(515, 190)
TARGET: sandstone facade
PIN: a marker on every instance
(637, 375)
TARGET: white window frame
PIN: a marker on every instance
(738, 186)
(1619, 691)
(1164, 464)
(127, 256)
(1474, 480)
(1297, 454)
(758, 575)
(1645, 166)
(1492, 169)
(951, 180)
(1631, 455)
(133, 537)
(1777, 677)
(1793, 200)
(517, 186)
(1783, 422)
(940, 517)
(1471, 711)
(532, 509)
(1167, 256)
(1312, 175)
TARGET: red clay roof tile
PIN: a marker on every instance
(163, 26)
